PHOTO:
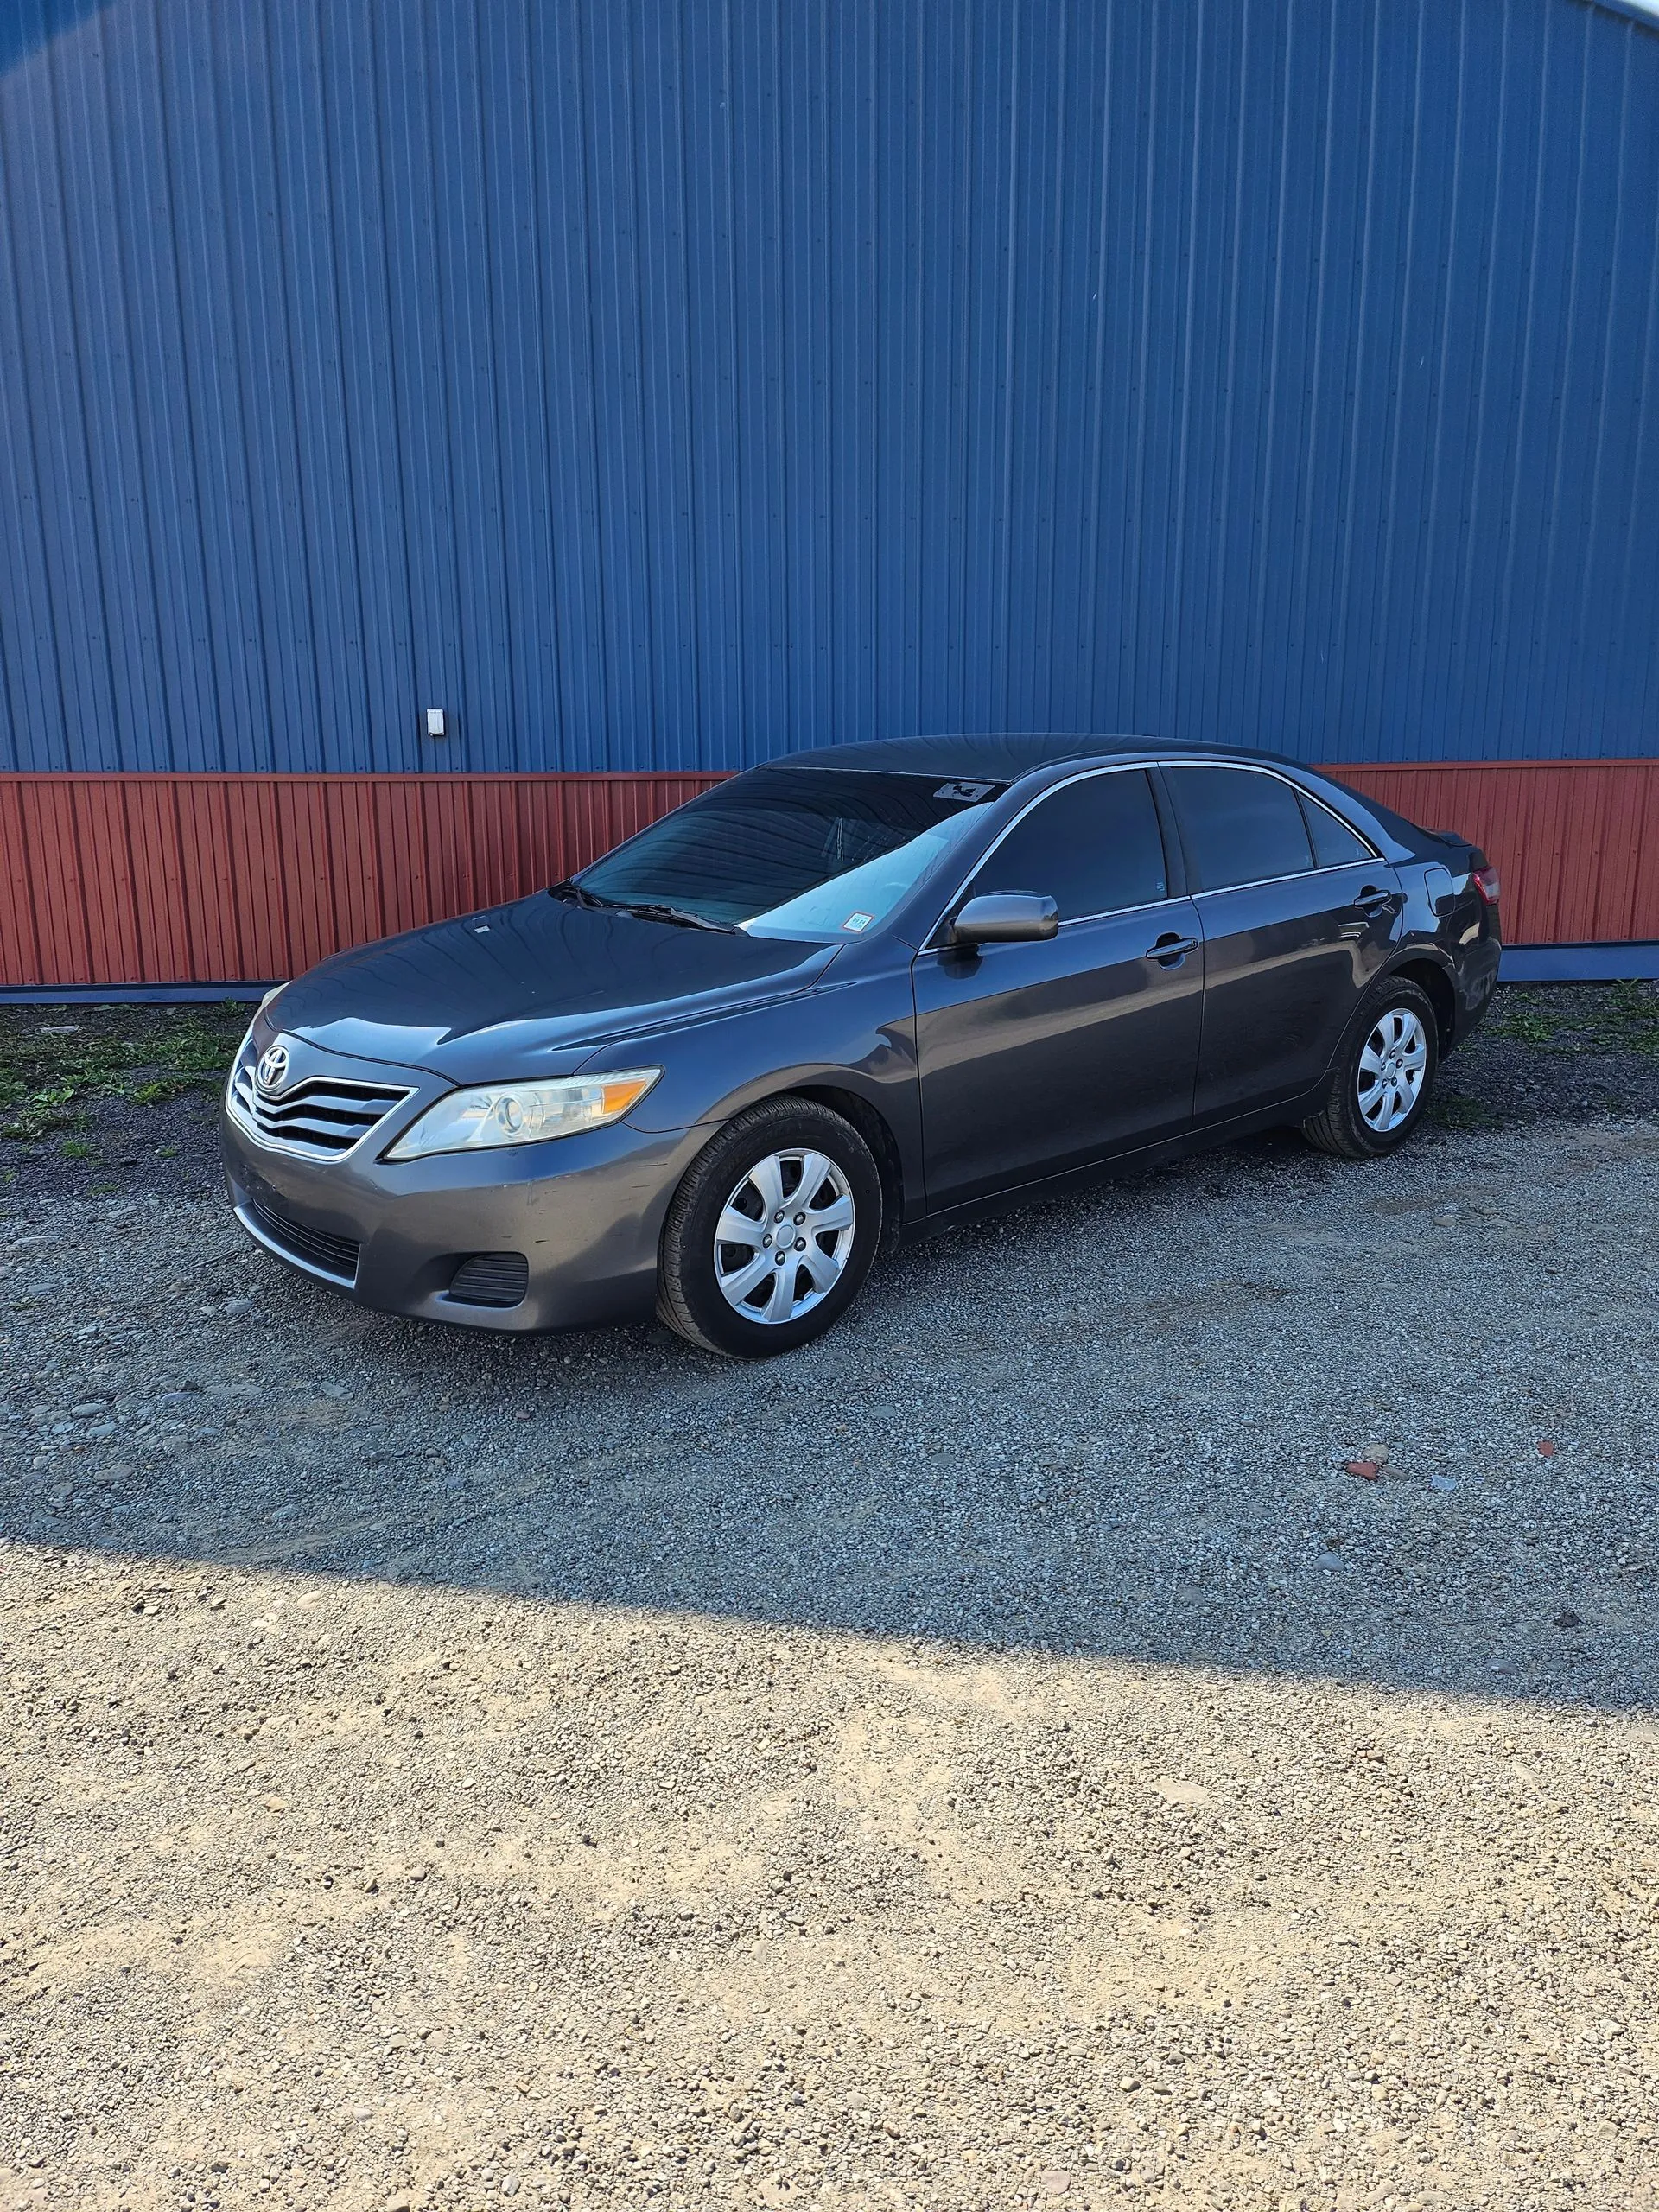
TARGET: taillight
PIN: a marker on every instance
(1486, 881)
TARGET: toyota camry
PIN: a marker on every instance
(856, 996)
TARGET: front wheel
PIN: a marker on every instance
(1384, 1078)
(772, 1233)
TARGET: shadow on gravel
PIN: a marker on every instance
(1113, 1426)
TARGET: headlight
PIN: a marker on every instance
(523, 1113)
(247, 1040)
(238, 1061)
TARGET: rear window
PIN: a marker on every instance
(1334, 843)
(1239, 825)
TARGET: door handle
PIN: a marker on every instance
(1170, 948)
(1372, 901)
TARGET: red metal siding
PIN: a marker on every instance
(207, 879)
(146, 879)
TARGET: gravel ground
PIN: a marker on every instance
(998, 1756)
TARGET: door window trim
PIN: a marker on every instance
(1084, 776)
(1152, 770)
(1303, 796)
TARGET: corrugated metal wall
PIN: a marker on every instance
(658, 385)
(206, 879)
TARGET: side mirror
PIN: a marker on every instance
(1006, 917)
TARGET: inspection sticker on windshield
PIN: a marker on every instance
(857, 921)
(964, 791)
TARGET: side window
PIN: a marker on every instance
(1239, 826)
(1334, 843)
(1092, 847)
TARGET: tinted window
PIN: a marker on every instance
(811, 852)
(1334, 842)
(1239, 826)
(1092, 847)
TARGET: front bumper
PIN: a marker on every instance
(585, 1210)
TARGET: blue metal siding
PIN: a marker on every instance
(665, 385)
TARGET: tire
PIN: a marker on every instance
(727, 1293)
(1370, 1107)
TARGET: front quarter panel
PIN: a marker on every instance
(855, 1032)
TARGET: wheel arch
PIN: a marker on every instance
(1437, 986)
(877, 1132)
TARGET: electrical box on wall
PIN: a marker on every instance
(437, 724)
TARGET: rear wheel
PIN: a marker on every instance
(1384, 1078)
(772, 1233)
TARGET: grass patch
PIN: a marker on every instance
(1523, 1025)
(1576, 1018)
(1455, 1109)
(56, 1059)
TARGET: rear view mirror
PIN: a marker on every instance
(1006, 917)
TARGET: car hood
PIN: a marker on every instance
(532, 988)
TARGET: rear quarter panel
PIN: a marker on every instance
(1447, 922)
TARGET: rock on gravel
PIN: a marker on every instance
(999, 1757)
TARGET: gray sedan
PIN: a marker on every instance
(854, 997)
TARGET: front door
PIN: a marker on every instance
(1298, 915)
(1038, 1057)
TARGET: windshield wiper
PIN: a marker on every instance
(574, 895)
(648, 912)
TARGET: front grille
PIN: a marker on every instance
(333, 1256)
(321, 1117)
(491, 1279)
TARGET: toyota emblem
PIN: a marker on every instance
(272, 1071)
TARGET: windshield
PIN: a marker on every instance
(791, 852)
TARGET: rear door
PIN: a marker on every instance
(1298, 917)
(1038, 1057)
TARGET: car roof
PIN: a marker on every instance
(1002, 759)
(1007, 760)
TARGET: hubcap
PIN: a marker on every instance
(784, 1236)
(1391, 1070)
